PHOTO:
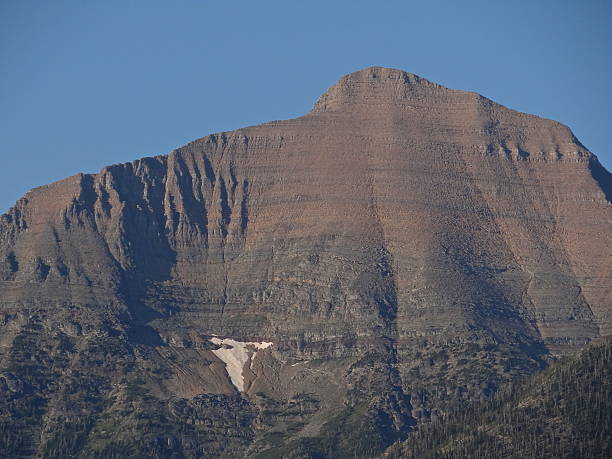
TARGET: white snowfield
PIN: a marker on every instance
(235, 355)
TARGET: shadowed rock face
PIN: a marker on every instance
(404, 246)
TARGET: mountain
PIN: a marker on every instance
(303, 288)
(563, 412)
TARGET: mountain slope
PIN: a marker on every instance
(402, 249)
(566, 411)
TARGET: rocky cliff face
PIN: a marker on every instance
(404, 248)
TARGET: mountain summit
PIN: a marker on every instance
(317, 285)
(375, 86)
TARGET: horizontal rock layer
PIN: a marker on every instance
(406, 245)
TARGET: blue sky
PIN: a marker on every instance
(84, 84)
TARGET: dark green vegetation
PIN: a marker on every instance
(91, 397)
(102, 408)
(563, 412)
(75, 397)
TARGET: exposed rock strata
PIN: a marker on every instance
(410, 246)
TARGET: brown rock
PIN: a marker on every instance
(396, 229)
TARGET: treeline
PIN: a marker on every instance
(563, 412)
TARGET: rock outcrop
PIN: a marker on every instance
(404, 247)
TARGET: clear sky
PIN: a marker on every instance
(87, 83)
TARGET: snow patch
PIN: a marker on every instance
(235, 355)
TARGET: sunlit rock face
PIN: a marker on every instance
(404, 246)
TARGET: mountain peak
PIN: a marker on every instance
(386, 74)
(317, 286)
(373, 85)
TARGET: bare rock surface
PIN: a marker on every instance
(404, 247)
